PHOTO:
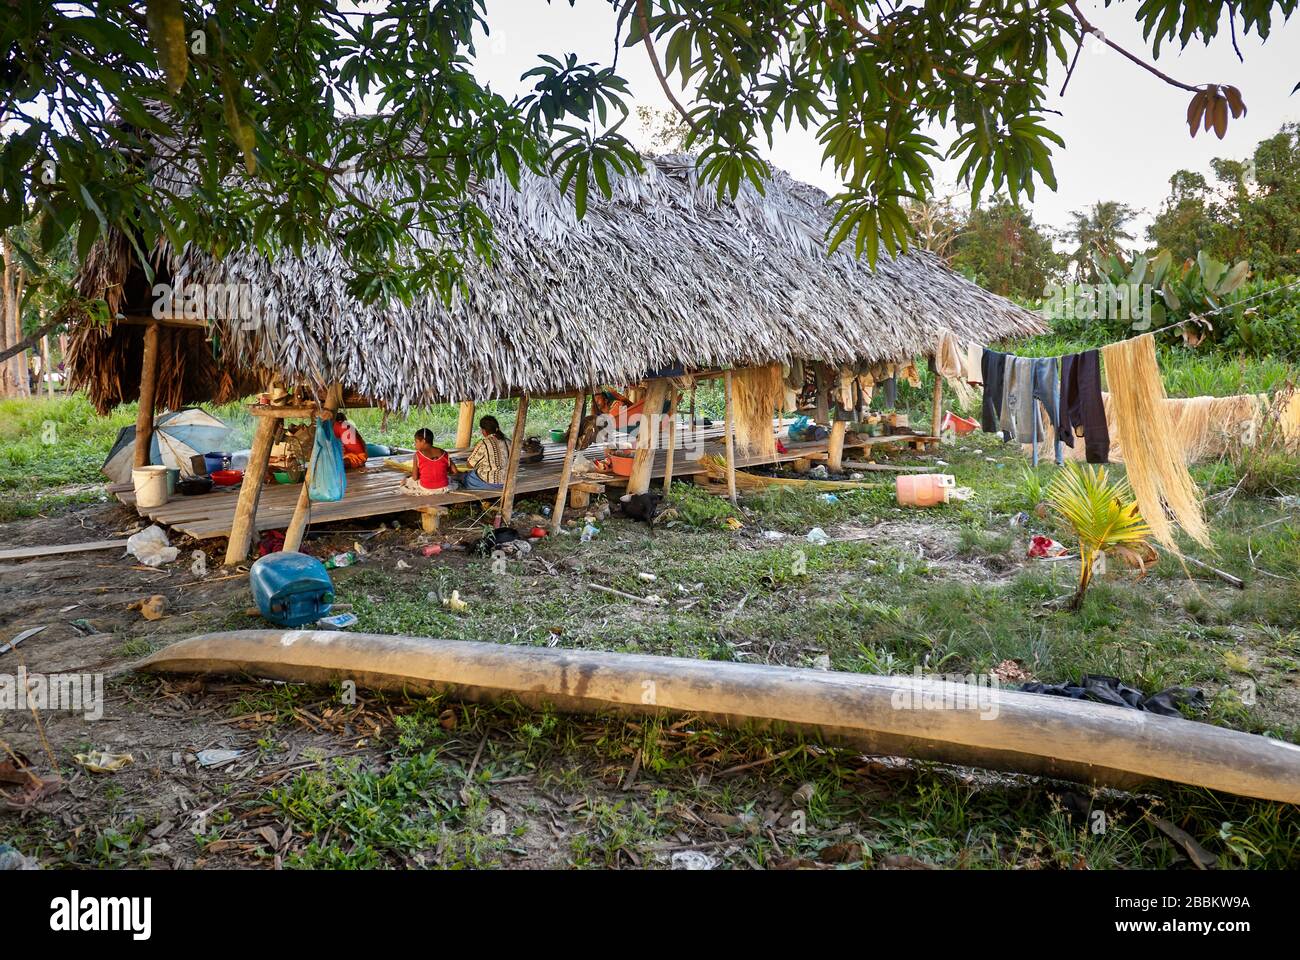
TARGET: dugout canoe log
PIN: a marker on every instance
(919, 717)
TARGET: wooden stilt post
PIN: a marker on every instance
(465, 424)
(672, 439)
(562, 493)
(148, 390)
(250, 492)
(835, 451)
(293, 536)
(647, 437)
(936, 416)
(730, 438)
(512, 466)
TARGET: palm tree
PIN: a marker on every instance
(1098, 232)
(1102, 514)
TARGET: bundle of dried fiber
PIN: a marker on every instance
(1205, 427)
(1285, 412)
(717, 470)
(1212, 426)
(756, 394)
(1157, 466)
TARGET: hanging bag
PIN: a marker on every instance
(327, 480)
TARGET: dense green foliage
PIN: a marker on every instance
(1251, 212)
(275, 111)
(1001, 248)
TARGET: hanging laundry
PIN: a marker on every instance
(1082, 411)
(910, 374)
(973, 364)
(992, 368)
(793, 372)
(1027, 381)
(950, 363)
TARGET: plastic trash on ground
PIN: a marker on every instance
(151, 547)
(101, 761)
(1042, 548)
(818, 536)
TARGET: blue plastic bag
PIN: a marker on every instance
(800, 429)
(327, 481)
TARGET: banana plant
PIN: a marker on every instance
(1183, 291)
(1101, 512)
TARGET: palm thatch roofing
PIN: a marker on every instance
(662, 274)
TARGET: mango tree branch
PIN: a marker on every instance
(1089, 28)
(654, 62)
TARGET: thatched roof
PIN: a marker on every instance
(663, 273)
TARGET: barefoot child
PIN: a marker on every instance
(430, 469)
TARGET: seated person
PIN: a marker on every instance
(487, 462)
(614, 411)
(623, 414)
(430, 469)
(354, 448)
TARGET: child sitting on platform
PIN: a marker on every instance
(431, 468)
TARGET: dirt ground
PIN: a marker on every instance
(161, 809)
(174, 805)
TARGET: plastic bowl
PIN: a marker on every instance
(559, 436)
(282, 477)
(227, 478)
(620, 462)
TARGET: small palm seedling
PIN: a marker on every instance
(1102, 513)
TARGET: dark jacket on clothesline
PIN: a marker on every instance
(992, 368)
(1082, 409)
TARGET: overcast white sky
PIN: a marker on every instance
(1125, 130)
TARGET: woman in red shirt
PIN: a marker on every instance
(354, 448)
(430, 469)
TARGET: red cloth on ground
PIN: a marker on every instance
(432, 473)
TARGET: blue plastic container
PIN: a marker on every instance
(291, 589)
(216, 460)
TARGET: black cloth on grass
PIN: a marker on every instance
(1103, 689)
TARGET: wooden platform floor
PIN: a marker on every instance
(375, 490)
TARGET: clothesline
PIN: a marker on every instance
(1216, 310)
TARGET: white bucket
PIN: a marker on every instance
(150, 486)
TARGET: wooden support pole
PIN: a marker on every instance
(293, 536)
(647, 437)
(730, 438)
(512, 467)
(465, 424)
(936, 416)
(835, 461)
(250, 492)
(674, 397)
(557, 515)
(148, 390)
